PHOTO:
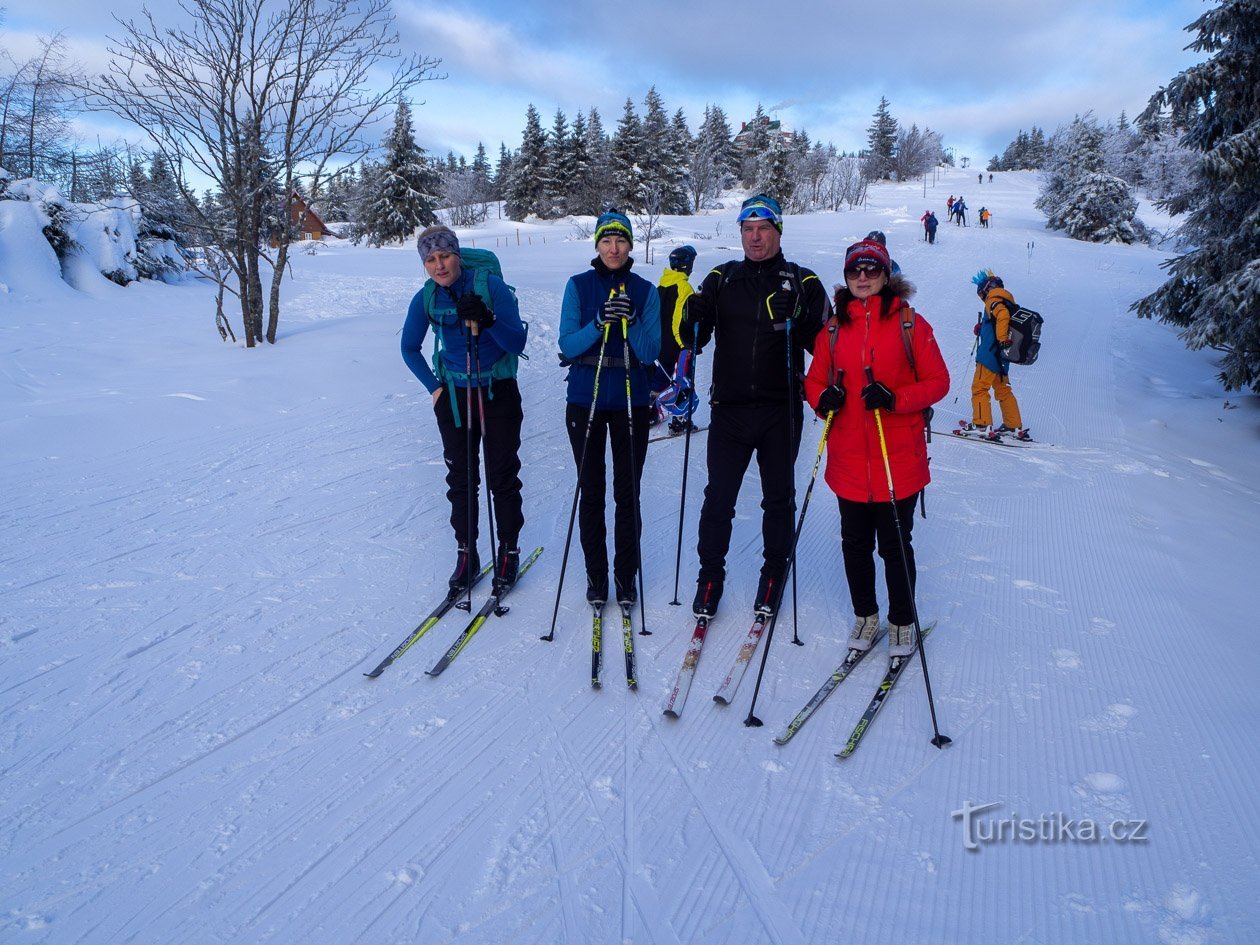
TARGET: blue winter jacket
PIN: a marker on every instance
(988, 352)
(506, 336)
(580, 339)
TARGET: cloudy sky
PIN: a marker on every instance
(976, 72)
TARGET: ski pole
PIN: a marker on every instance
(485, 448)
(586, 439)
(939, 740)
(682, 504)
(468, 466)
(752, 720)
(791, 455)
(634, 474)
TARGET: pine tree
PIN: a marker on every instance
(881, 140)
(529, 170)
(1213, 290)
(599, 149)
(627, 160)
(401, 196)
(502, 172)
(579, 199)
(711, 157)
(1078, 196)
(756, 144)
(559, 177)
(774, 171)
(676, 160)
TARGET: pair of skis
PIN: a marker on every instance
(597, 644)
(975, 436)
(896, 666)
(726, 692)
(493, 606)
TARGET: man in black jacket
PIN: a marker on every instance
(762, 314)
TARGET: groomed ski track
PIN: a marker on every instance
(204, 548)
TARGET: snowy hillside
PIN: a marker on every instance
(204, 548)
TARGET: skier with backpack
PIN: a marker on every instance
(674, 288)
(932, 224)
(478, 336)
(876, 368)
(610, 336)
(993, 350)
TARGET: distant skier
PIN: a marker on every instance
(932, 223)
(992, 367)
(949, 207)
(984, 217)
(597, 302)
(960, 212)
(866, 333)
(452, 311)
(924, 220)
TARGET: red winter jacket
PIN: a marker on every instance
(855, 463)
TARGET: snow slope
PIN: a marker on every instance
(203, 549)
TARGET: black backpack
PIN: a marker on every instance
(1025, 333)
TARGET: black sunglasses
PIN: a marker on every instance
(869, 269)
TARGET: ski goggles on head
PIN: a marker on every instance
(761, 207)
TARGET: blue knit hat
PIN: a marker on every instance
(613, 222)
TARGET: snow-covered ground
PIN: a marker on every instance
(204, 548)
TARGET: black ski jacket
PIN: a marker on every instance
(750, 353)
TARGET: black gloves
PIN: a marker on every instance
(782, 304)
(614, 310)
(878, 397)
(470, 308)
(831, 400)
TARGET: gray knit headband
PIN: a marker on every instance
(439, 241)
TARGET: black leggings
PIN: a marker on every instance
(863, 525)
(609, 426)
(502, 458)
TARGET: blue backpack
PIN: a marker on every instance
(483, 264)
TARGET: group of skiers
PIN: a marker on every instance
(875, 370)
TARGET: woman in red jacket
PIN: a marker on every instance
(874, 327)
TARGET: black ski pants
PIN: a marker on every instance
(502, 437)
(609, 427)
(735, 434)
(863, 525)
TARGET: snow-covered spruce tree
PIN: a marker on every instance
(881, 143)
(711, 158)
(1213, 291)
(676, 154)
(502, 172)
(1077, 194)
(627, 160)
(577, 199)
(401, 198)
(524, 192)
(774, 171)
(599, 150)
(559, 178)
(756, 143)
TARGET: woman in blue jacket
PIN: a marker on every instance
(450, 304)
(596, 303)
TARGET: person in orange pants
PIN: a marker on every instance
(992, 366)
